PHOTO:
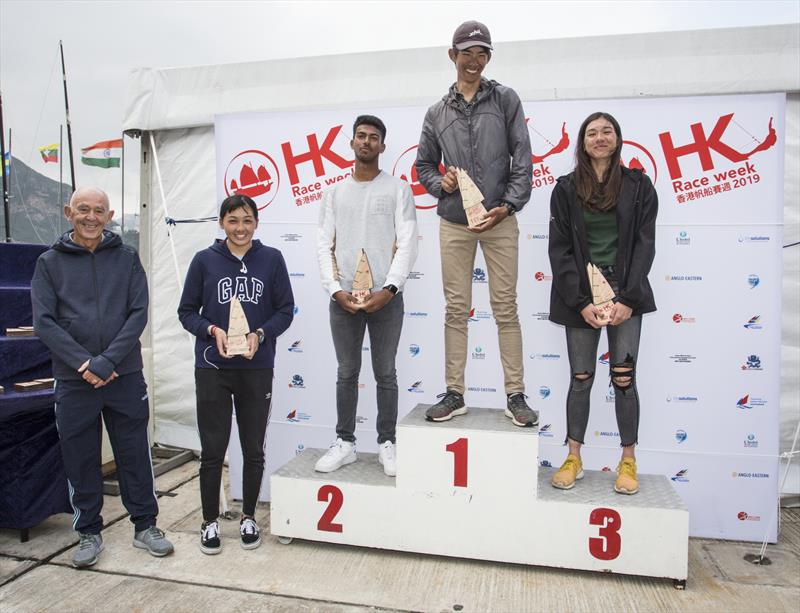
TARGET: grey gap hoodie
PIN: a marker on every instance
(90, 306)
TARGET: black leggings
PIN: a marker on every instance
(251, 391)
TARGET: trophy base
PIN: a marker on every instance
(237, 345)
(361, 295)
(476, 215)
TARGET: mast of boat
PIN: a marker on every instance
(60, 174)
(6, 212)
(69, 123)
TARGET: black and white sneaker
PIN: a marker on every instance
(209, 538)
(248, 529)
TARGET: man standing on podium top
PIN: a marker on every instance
(478, 126)
(366, 239)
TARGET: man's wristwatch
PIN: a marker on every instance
(391, 288)
(260, 333)
(510, 208)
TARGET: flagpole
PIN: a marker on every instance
(69, 123)
(60, 175)
(6, 212)
(123, 188)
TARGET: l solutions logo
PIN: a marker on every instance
(253, 173)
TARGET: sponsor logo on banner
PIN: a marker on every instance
(754, 323)
(295, 347)
(360, 419)
(682, 399)
(542, 148)
(297, 382)
(753, 238)
(252, 173)
(475, 315)
(606, 434)
(679, 318)
(546, 464)
(683, 278)
(683, 358)
(299, 449)
(291, 237)
(680, 476)
(751, 442)
(483, 390)
(603, 359)
(479, 275)
(681, 436)
(537, 237)
(634, 155)
(544, 392)
(364, 349)
(748, 402)
(611, 393)
(753, 363)
(328, 166)
(415, 275)
(737, 475)
(416, 314)
(683, 239)
(414, 350)
(295, 416)
(297, 275)
(545, 356)
(540, 276)
(753, 281)
(405, 169)
(744, 516)
(296, 310)
(606, 469)
(541, 315)
(479, 353)
(544, 431)
(713, 180)
(416, 388)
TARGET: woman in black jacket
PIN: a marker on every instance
(605, 214)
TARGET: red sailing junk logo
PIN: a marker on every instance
(253, 173)
(634, 155)
(542, 176)
(405, 168)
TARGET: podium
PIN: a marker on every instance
(471, 487)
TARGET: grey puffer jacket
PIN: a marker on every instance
(487, 137)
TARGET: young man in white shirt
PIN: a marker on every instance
(373, 211)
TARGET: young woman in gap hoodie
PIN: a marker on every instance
(256, 274)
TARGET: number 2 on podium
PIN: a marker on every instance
(335, 498)
(460, 450)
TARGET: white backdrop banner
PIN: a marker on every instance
(709, 365)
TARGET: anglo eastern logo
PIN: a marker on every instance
(542, 142)
(544, 431)
(545, 356)
(681, 436)
(603, 358)
(683, 358)
(737, 475)
(414, 350)
(479, 275)
(475, 315)
(537, 237)
(544, 392)
(297, 382)
(416, 388)
(753, 363)
(680, 476)
(753, 281)
(754, 323)
(748, 402)
(679, 318)
(682, 399)
(683, 239)
(606, 434)
(482, 390)
(479, 353)
(751, 442)
(540, 276)
(253, 173)
(683, 278)
(296, 347)
(295, 416)
(744, 516)
(405, 169)
(634, 155)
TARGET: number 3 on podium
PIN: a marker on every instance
(607, 545)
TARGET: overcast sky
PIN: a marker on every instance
(103, 41)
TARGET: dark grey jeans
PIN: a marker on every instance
(348, 337)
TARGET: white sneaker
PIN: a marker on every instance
(387, 457)
(339, 454)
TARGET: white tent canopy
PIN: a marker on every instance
(176, 108)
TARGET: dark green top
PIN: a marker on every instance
(601, 234)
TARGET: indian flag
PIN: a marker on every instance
(105, 154)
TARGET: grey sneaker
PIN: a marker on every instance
(519, 411)
(90, 547)
(154, 541)
(450, 405)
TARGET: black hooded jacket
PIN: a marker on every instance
(637, 207)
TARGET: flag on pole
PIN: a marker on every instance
(105, 154)
(7, 159)
(49, 153)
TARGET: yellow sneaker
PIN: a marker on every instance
(570, 471)
(626, 477)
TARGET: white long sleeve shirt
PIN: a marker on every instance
(378, 216)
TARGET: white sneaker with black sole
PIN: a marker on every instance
(339, 454)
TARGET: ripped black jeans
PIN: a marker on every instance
(623, 347)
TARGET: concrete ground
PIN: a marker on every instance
(307, 576)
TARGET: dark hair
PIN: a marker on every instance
(237, 201)
(596, 196)
(370, 120)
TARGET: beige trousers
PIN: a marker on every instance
(500, 247)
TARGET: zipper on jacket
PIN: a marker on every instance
(97, 301)
(623, 278)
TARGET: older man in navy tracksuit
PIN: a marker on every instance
(90, 299)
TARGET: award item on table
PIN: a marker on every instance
(602, 294)
(238, 328)
(472, 199)
(362, 280)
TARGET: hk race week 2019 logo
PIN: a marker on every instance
(405, 169)
(253, 173)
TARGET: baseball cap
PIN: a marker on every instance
(471, 34)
